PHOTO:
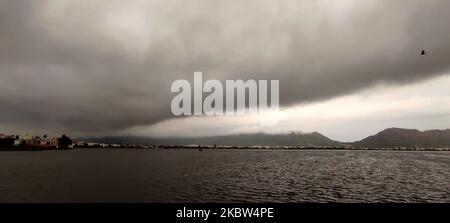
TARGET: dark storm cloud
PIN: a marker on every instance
(102, 66)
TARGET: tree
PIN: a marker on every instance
(64, 142)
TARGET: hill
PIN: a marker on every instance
(259, 139)
(398, 137)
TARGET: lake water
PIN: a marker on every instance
(85, 175)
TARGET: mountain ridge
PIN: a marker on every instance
(399, 137)
(256, 139)
(390, 137)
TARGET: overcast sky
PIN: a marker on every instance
(105, 67)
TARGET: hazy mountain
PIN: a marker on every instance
(293, 139)
(392, 137)
(396, 137)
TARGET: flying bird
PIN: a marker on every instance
(423, 52)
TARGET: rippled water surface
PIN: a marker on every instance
(224, 176)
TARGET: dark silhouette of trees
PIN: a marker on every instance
(64, 142)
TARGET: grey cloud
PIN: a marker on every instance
(102, 66)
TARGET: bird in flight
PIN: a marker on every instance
(423, 52)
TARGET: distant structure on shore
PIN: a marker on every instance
(15, 142)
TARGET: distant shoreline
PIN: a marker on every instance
(202, 148)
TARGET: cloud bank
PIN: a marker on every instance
(99, 67)
(347, 118)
